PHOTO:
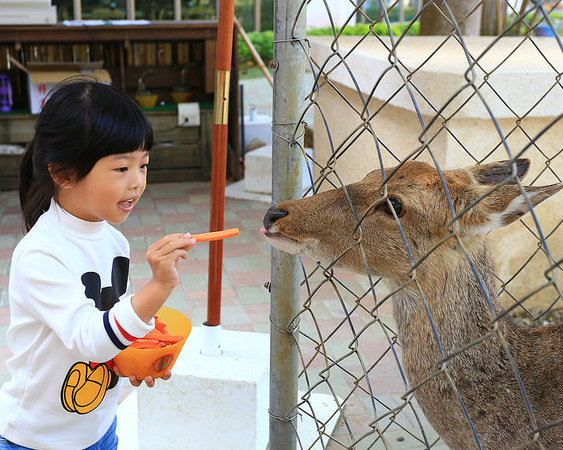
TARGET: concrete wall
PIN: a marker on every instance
(382, 117)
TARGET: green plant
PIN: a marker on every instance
(184, 70)
(140, 83)
(263, 42)
(530, 21)
(361, 29)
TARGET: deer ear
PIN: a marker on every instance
(518, 206)
(494, 173)
(504, 205)
(507, 202)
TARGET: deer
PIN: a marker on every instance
(481, 380)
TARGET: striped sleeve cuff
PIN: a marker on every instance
(122, 324)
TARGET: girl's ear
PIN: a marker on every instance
(62, 178)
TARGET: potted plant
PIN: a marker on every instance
(144, 97)
(183, 92)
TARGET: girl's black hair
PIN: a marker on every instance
(81, 122)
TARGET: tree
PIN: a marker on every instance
(436, 18)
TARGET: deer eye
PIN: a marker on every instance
(396, 204)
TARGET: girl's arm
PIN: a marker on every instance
(163, 257)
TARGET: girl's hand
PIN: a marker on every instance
(149, 381)
(164, 257)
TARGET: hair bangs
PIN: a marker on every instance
(119, 128)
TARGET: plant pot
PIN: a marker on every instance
(181, 94)
(147, 100)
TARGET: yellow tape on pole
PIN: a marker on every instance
(222, 84)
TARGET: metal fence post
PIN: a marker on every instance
(287, 163)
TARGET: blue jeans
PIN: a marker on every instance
(107, 442)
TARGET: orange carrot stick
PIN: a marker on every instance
(215, 235)
(144, 343)
(158, 337)
(158, 325)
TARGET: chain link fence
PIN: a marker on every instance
(376, 100)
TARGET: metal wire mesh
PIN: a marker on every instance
(451, 100)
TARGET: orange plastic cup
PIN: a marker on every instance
(155, 362)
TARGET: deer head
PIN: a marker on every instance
(394, 218)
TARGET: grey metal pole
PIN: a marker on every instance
(287, 166)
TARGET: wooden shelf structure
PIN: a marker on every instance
(127, 51)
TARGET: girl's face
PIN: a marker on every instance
(109, 191)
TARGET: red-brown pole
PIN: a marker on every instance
(219, 156)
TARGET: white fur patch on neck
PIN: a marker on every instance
(518, 206)
(495, 221)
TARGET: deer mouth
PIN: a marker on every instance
(277, 235)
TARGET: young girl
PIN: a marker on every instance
(85, 168)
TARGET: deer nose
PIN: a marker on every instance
(272, 215)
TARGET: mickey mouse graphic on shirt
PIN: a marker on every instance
(86, 384)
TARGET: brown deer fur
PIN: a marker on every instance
(324, 227)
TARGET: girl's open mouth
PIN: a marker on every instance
(127, 205)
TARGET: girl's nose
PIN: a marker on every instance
(139, 180)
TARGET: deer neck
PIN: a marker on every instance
(459, 296)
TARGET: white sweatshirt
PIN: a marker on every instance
(66, 279)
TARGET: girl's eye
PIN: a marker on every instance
(396, 204)
(121, 169)
(145, 166)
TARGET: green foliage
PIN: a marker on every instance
(532, 20)
(200, 11)
(362, 29)
(264, 41)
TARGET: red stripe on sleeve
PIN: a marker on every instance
(123, 332)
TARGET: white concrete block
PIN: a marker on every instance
(258, 170)
(211, 401)
(237, 191)
(514, 84)
(324, 407)
(257, 126)
(127, 423)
